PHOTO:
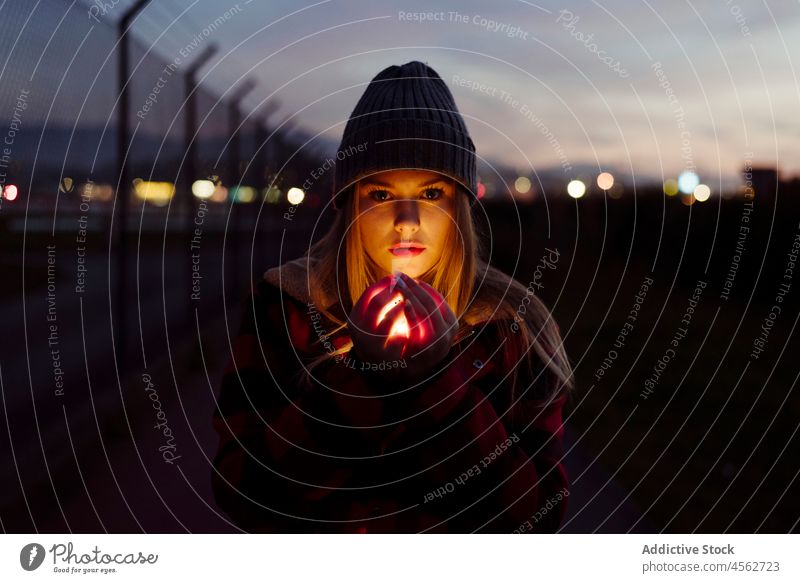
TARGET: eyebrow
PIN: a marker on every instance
(387, 185)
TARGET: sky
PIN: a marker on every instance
(641, 87)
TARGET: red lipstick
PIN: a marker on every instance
(406, 249)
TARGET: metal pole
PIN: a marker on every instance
(123, 189)
(234, 118)
(190, 167)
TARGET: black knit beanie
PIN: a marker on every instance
(406, 118)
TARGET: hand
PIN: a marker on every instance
(399, 318)
(378, 311)
(432, 326)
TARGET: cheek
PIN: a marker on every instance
(372, 226)
(439, 223)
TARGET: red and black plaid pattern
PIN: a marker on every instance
(355, 453)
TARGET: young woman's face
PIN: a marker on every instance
(405, 216)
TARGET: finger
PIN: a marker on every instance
(369, 294)
(389, 320)
(394, 347)
(380, 305)
(427, 304)
(447, 313)
(419, 309)
(419, 329)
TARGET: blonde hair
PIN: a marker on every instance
(474, 290)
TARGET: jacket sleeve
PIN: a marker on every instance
(284, 461)
(494, 461)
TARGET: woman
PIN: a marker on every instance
(390, 380)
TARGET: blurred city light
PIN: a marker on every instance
(702, 192)
(295, 195)
(616, 191)
(157, 193)
(272, 194)
(522, 184)
(688, 181)
(93, 191)
(605, 180)
(220, 194)
(203, 188)
(66, 185)
(243, 194)
(670, 187)
(10, 192)
(576, 188)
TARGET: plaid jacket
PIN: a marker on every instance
(353, 453)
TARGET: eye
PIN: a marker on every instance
(379, 194)
(433, 193)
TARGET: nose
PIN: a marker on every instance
(406, 220)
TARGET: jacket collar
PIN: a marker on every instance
(291, 277)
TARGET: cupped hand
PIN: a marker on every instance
(432, 325)
(377, 311)
(398, 318)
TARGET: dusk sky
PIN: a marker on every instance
(572, 99)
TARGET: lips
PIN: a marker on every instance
(406, 249)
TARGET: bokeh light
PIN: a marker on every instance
(605, 180)
(295, 195)
(10, 192)
(157, 193)
(688, 181)
(576, 188)
(702, 192)
(242, 194)
(203, 188)
(522, 185)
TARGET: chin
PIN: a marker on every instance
(411, 268)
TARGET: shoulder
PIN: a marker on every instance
(293, 278)
(500, 297)
(273, 308)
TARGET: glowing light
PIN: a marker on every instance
(400, 328)
(272, 194)
(295, 195)
(605, 180)
(670, 187)
(576, 188)
(203, 188)
(102, 192)
(65, 185)
(687, 199)
(10, 192)
(522, 185)
(481, 190)
(688, 181)
(701, 193)
(157, 193)
(220, 194)
(243, 194)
